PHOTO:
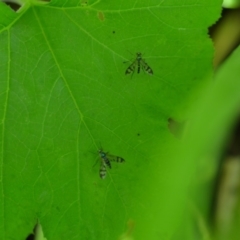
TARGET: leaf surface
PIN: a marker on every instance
(64, 95)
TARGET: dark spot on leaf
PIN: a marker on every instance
(101, 16)
(113, 32)
(14, 6)
(138, 134)
(84, 3)
(176, 128)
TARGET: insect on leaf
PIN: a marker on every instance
(140, 63)
(105, 161)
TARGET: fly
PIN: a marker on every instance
(139, 62)
(106, 160)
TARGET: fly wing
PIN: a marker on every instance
(131, 68)
(115, 159)
(107, 162)
(146, 67)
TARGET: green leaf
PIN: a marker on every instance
(65, 96)
(6, 16)
(212, 119)
(231, 3)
